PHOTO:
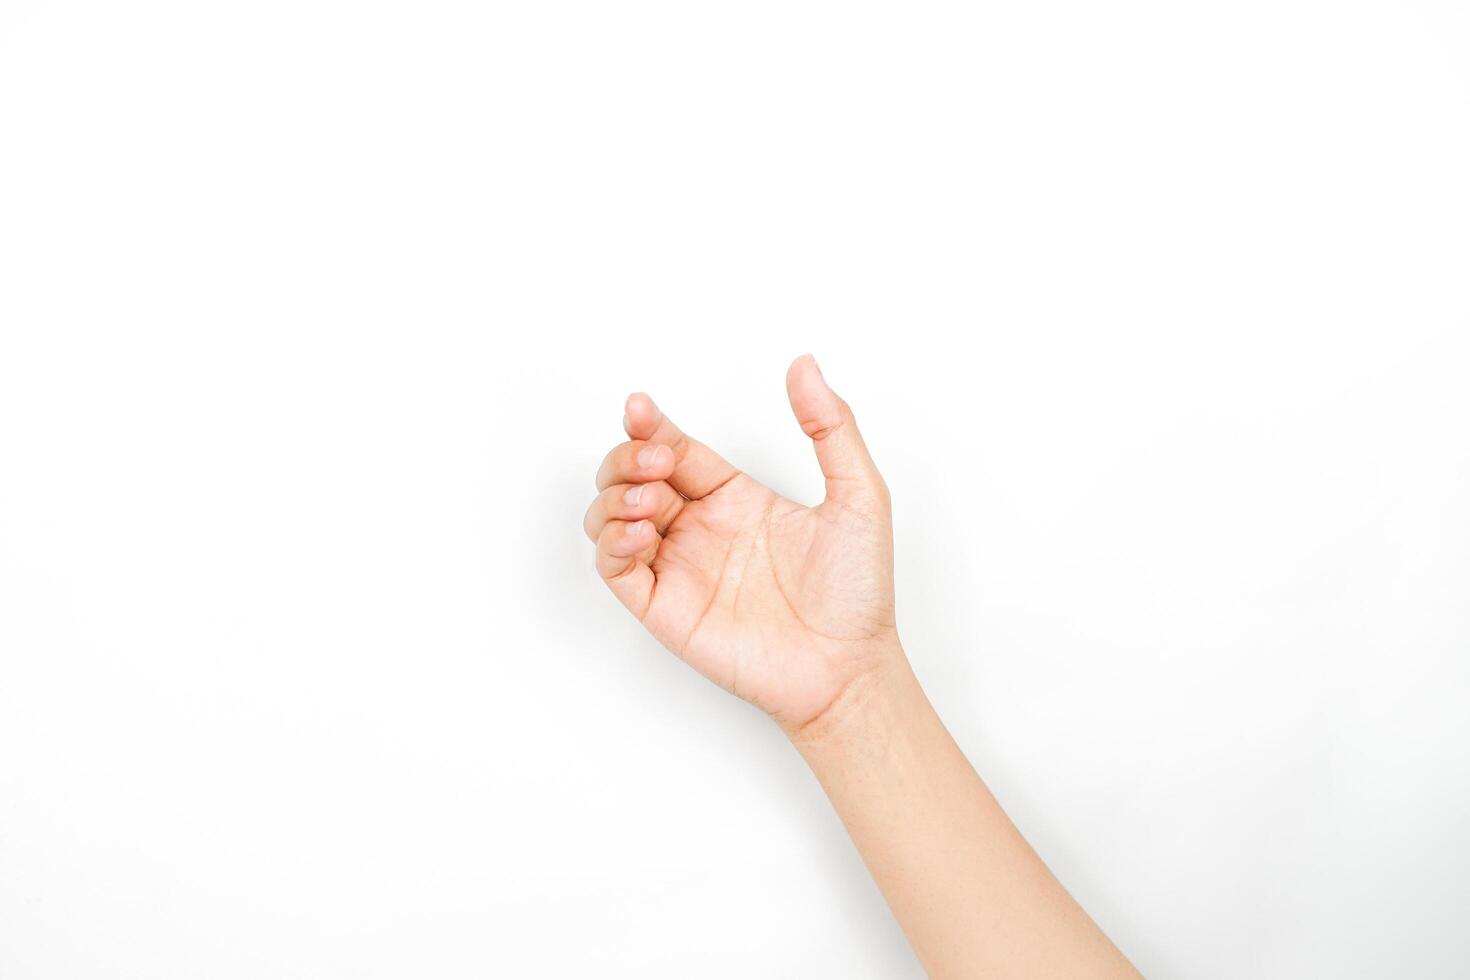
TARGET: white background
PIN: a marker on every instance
(316, 319)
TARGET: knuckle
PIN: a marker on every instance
(820, 428)
(604, 537)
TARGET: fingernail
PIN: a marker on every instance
(648, 455)
(636, 528)
(626, 424)
(657, 412)
(632, 495)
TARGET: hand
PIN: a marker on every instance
(791, 608)
(783, 605)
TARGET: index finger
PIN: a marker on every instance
(698, 470)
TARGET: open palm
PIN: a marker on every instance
(780, 604)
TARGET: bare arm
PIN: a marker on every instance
(791, 608)
(972, 896)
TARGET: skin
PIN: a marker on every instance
(791, 608)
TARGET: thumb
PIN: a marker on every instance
(850, 472)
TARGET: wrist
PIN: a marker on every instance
(872, 698)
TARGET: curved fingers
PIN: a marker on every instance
(656, 501)
(698, 470)
(624, 550)
(637, 461)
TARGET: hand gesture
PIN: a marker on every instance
(783, 605)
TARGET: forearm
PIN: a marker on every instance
(767, 597)
(972, 896)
